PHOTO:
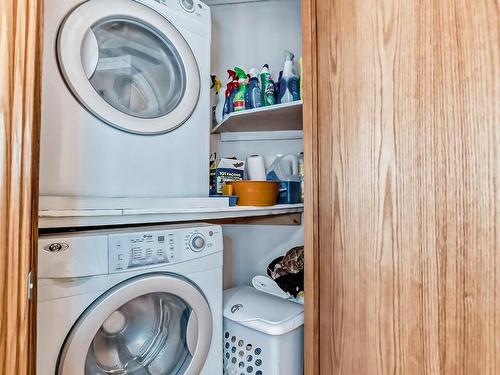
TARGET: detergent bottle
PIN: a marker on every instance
(219, 109)
(277, 87)
(231, 90)
(239, 97)
(215, 94)
(285, 169)
(267, 86)
(253, 95)
(289, 90)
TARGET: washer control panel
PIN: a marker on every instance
(129, 250)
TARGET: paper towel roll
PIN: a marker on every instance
(256, 168)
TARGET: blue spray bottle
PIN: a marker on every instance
(231, 90)
(253, 94)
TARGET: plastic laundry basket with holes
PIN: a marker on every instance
(263, 334)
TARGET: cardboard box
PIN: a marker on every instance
(226, 170)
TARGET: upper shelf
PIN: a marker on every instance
(286, 116)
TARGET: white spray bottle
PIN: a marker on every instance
(289, 89)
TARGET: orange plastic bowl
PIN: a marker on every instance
(256, 193)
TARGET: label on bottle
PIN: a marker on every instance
(269, 94)
(239, 105)
(294, 88)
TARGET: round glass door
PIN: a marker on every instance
(132, 69)
(138, 71)
(146, 335)
(156, 324)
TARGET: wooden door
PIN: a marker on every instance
(402, 140)
(20, 46)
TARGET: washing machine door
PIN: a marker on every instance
(128, 65)
(152, 324)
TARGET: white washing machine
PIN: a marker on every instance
(136, 301)
(125, 98)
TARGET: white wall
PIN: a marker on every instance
(268, 148)
(248, 249)
(253, 34)
(250, 35)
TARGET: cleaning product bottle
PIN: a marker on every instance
(253, 95)
(267, 86)
(214, 97)
(227, 92)
(277, 87)
(219, 109)
(232, 88)
(239, 98)
(285, 169)
(289, 90)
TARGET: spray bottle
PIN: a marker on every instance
(239, 97)
(267, 86)
(277, 87)
(219, 109)
(253, 95)
(289, 90)
(231, 90)
(215, 94)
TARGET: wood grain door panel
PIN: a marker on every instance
(20, 64)
(408, 198)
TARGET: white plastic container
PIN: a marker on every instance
(263, 334)
(285, 168)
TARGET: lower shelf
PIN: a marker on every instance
(288, 214)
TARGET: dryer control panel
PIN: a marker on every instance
(128, 250)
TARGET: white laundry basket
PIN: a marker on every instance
(263, 334)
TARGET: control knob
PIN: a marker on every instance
(197, 242)
(187, 5)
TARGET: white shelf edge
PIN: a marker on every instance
(89, 218)
(87, 204)
(281, 135)
(249, 112)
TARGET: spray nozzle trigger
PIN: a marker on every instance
(288, 55)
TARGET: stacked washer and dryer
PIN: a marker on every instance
(125, 113)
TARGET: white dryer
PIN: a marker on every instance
(143, 301)
(125, 98)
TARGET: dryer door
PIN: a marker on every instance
(129, 66)
(152, 324)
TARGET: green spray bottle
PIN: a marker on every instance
(239, 98)
(267, 87)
